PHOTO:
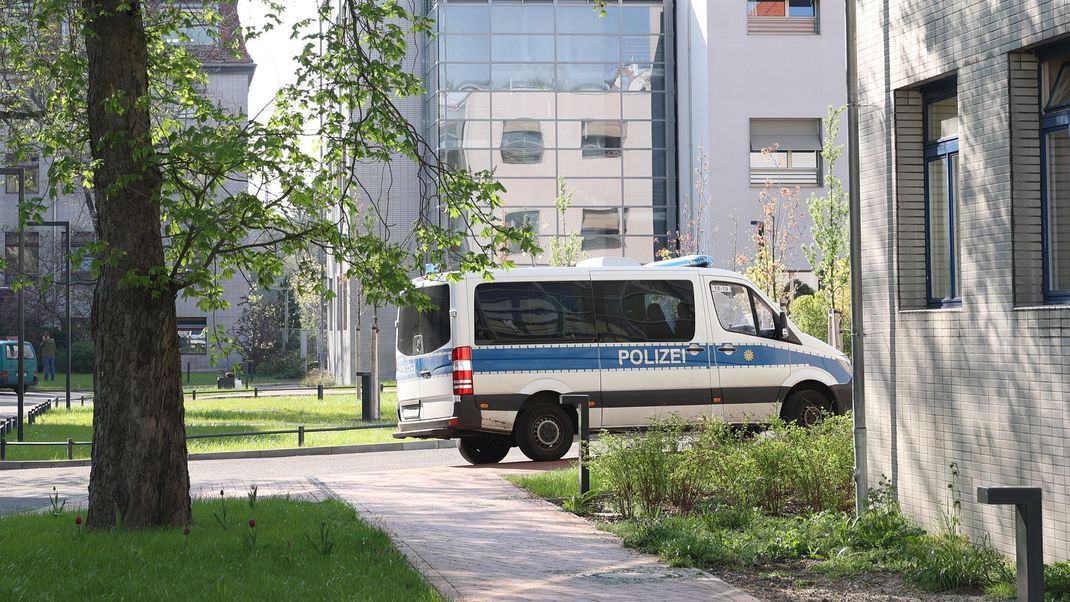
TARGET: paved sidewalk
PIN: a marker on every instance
(478, 537)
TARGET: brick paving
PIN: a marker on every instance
(478, 537)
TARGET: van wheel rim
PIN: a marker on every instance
(547, 432)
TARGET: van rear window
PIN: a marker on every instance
(12, 352)
(424, 332)
(513, 313)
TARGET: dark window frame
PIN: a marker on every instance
(481, 330)
(1052, 119)
(943, 150)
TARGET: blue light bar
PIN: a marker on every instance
(430, 268)
(687, 261)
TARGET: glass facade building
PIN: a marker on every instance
(550, 95)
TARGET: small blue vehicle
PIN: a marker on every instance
(9, 365)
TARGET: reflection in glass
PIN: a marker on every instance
(645, 49)
(522, 76)
(943, 119)
(521, 142)
(939, 233)
(601, 139)
(523, 105)
(465, 18)
(589, 78)
(522, 49)
(522, 18)
(587, 105)
(802, 8)
(588, 49)
(584, 18)
(466, 49)
(1058, 205)
(642, 19)
(466, 77)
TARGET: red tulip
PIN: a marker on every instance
(252, 523)
(78, 520)
(185, 531)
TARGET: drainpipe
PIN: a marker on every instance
(857, 333)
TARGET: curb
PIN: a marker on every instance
(285, 452)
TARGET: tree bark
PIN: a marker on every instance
(139, 474)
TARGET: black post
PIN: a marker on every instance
(301, 436)
(366, 400)
(319, 391)
(70, 449)
(67, 305)
(21, 302)
(256, 391)
(3, 448)
(83, 401)
(195, 395)
(582, 404)
(188, 372)
(1029, 544)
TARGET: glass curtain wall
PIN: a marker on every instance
(550, 95)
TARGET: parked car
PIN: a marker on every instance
(9, 365)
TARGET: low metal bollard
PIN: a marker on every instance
(301, 436)
(3, 448)
(70, 449)
(83, 401)
(319, 391)
(256, 391)
(582, 403)
(195, 395)
(1028, 539)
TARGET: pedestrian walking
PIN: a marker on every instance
(48, 354)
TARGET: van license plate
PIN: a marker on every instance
(410, 412)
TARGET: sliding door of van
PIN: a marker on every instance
(652, 349)
(751, 362)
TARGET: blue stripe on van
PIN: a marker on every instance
(523, 359)
(409, 368)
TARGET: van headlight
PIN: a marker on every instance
(846, 363)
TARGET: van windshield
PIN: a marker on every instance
(424, 332)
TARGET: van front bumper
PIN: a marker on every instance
(844, 397)
(464, 422)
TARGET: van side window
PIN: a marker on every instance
(645, 311)
(516, 313)
(740, 310)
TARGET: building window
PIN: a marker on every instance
(1055, 176)
(82, 270)
(31, 251)
(941, 127)
(193, 336)
(525, 220)
(602, 139)
(600, 229)
(781, 16)
(196, 28)
(785, 151)
(31, 176)
(521, 142)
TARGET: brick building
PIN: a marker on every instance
(965, 162)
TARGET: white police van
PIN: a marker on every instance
(487, 364)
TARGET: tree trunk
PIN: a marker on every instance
(139, 475)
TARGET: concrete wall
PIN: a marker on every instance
(980, 390)
(726, 77)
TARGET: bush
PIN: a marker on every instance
(282, 365)
(83, 354)
(316, 377)
(648, 473)
(1057, 582)
(950, 561)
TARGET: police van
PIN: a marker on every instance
(487, 363)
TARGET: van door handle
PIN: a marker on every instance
(425, 373)
(695, 348)
(727, 349)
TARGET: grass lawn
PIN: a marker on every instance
(229, 415)
(84, 380)
(50, 558)
(556, 484)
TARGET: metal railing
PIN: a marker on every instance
(300, 431)
(256, 391)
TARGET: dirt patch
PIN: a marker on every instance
(797, 581)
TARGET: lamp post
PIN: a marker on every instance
(20, 382)
(66, 225)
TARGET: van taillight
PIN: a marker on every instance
(3, 374)
(462, 371)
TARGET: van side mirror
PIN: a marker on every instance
(782, 327)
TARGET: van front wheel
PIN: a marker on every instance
(544, 432)
(806, 407)
(483, 450)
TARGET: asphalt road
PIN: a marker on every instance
(9, 401)
(28, 489)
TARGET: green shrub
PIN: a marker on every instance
(950, 561)
(316, 377)
(83, 353)
(648, 473)
(1057, 582)
(282, 365)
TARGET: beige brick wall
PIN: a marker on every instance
(986, 386)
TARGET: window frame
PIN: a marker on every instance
(943, 149)
(1052, 119)
(754, 299)
(479, 338)
(786, 23)
(648, 286)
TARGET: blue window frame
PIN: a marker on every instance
(940, 123)
(1055, 176)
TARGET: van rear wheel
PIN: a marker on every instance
(806, 407)
(544, 432)
(483, 450)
